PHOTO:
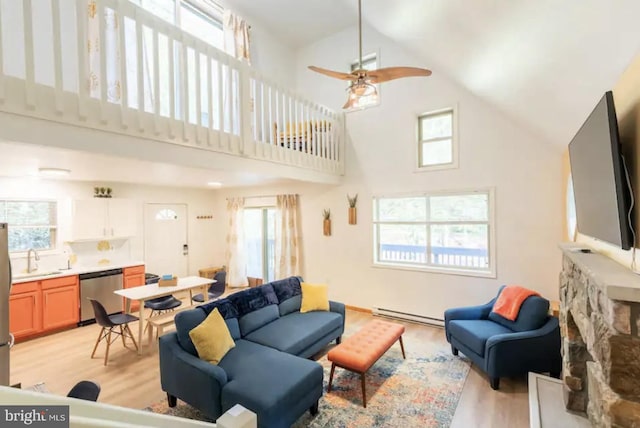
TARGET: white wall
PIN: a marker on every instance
(380, 160)
(203, 244)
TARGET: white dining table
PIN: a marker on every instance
(153, 291)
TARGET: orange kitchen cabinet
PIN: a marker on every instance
(25, 312)
(133, 277)
(60, 306)
(39, 306)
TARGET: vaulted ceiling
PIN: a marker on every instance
(544, 63)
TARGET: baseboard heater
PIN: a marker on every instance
(388, 313)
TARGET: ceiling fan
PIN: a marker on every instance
(363, 81)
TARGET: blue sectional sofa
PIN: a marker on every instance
(268, 370)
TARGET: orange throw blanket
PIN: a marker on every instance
(510, 300)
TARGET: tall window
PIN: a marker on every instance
(571, 211)
(259, 238)
(197, 22)
(444, 232)
(369, 62)
(437, 147)
(32, 224)
(195, 17)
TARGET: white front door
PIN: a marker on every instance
(165, 238)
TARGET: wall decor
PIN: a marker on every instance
(353, 200)
(326, 224)
(204, 217)
(102, 192)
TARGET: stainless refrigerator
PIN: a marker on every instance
(6, 338)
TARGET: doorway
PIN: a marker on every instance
(165, 239)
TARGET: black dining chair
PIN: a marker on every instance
(85, 390)
(109, 324)
(159, 305)
(216, 289)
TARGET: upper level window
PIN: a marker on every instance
(202, 25)
(32, 224)
(199, 18)
(450, 233)
(437, 147)
(369, 62)
(165, 9)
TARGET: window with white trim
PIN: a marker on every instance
(369, 62)
(436, 140)
(447, 232)
(32, 224)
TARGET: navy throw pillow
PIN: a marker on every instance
(287, 288)
(253, 299)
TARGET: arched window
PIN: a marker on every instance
(166, 214)
(571, 211)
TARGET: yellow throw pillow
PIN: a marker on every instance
(212, 338)
(315, 297)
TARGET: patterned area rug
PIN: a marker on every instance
(421, 391)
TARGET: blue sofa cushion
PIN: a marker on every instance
(287, 288)
(226, 308)
(290, 305)
(185, 322)
(256, 319)
(533, 314)
(253, 299)
(296, 332)
(267, 382)
(475, 333)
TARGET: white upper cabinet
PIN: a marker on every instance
(121, 217)
(104, 218)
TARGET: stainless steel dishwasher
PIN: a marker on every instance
(100, 286)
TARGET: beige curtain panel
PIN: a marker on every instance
(235, 255)
(236, 36)
(288, 245)
(112, 51)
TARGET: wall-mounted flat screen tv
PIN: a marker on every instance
(600, 187)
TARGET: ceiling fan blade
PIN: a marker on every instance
(391, 73)
(334, 74)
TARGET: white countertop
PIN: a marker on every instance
(78, 270)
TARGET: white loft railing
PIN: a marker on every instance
(169, 85)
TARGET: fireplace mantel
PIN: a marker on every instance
(600, 328)
(615, 280)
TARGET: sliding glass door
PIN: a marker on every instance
(259, 238)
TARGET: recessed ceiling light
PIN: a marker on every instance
(54, 172)
(214, 184)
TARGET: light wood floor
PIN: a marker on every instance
(62, 359)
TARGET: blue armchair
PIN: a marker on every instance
(503, 348)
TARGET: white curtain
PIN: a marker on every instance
(236, 36)
(112, 52)
(235, 254)
(288, 248)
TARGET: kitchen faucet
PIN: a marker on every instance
(37, 258)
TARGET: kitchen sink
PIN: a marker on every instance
(34, 274)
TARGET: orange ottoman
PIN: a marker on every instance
(359, 352)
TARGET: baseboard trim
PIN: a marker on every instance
(358, 309)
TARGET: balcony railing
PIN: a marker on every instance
(474, 258)
(169, 85)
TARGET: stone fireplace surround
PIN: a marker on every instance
(600, 324)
